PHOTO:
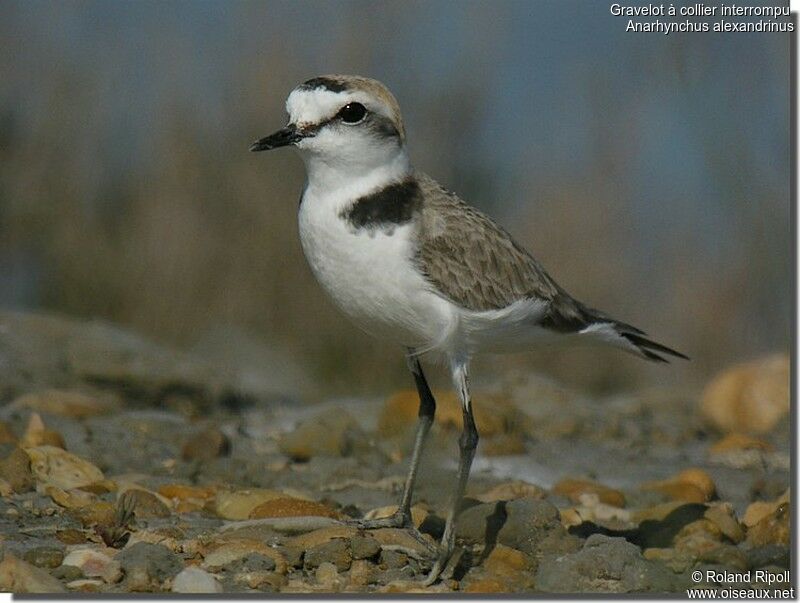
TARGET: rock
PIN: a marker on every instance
(148, 566)
(98, 513)
(724, 517)
(393, 560)
(690, 485)
(327, 576)
(206, 446)
(534, 527)
(36, 434)
(603, 565)
(505, 562)
(336, 551)
(364, 547)
(181, 492)
(292, 507)
(726, 555)
(771, 529)
(418, 513)
(95, 564)
(487, 585)
(772, 554)
(331, 433)
(65, 403)
(143, 503)
(262, 580)
(495, 417)
(479, 523)
(575, 489)
(17, 576)
(760, 509)
(16, 470)
(44, 556)
(749, 398)
(71, 536)
(699, 537)
(677, 561)
(321, 536)
(240, 503)
(230, 553)
(735, 442)
(73, 499)
(57, 467)
(85, 585)
(512, 491)
(361, 574)
(193, 580)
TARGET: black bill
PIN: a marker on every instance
(286, 136)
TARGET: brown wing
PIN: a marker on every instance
(475, 263)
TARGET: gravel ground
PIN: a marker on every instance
(128, 467)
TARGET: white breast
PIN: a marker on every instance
(370, 276)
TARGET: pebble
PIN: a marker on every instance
(364, 547)
(36, 434)
(230, 552)
(239, 504)
(321, 536)
(145, 504)
(759, 510)
(327, 576)
(148, 566)
(331, 433)
(44, 556)
(504, 444)
(773, 528)
(7, 435)
(690, 485)
(534, 527)
(512, 491)
(749, 398)
(336, 551)
(193, 580)
(19, 576)
(576, 489)
(95, 564)
(292, 507)
(16, 470)
(53, 466)
(362, 572)
(418, 513)
(206, 446)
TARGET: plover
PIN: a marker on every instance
(410, 262)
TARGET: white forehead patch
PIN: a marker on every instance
(314, 106)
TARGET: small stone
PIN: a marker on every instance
(393, 559)
(364, 547)
(71, 536)
(327, 576)
(604, 564)
(262, 580)
(148, 566)
(320, 536)
(68, 573)
(691, 485)
(575, 489)
(72, 499)
(336, 551)
(735, 442)
(771, 529)
(512, 491)
(477, 522)
(178, 493)
(98, 513)
(206, 446)
(503, 561)
(36, 434)
(361, 573)
(86, 585)
(145, 504)
(193, 580)
(418, 513)
(292, 507)
(331, 433)
(18, 576)
(487, 585)
(726, 555)
(534, 527)
(749, 398)
(677, 561)
(57, 467)
(760, 509)
(400, 540)
(724, 517)
(240, 503)
(229, 553)
(16, 470)
(698, 537)
(94, 564)
(44, 556)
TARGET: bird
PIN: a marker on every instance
(411, 263)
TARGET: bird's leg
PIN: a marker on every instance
(467, 444)
(427, 408)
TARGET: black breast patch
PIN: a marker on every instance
(390, 206)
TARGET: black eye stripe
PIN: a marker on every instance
(352, 113)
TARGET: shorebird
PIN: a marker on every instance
(410, 262)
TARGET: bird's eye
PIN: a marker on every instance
(352, 113)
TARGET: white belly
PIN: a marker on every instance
(370, 276)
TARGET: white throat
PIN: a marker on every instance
(347, 181)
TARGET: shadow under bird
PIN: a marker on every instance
(410, 262)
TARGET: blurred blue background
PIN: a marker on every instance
(649, 173)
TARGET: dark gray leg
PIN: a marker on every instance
(467, 444)
(427, 409)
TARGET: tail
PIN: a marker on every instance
(636, 341)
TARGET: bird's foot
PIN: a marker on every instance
(397, 520)
(443, 556)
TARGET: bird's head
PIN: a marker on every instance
(346, 123)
